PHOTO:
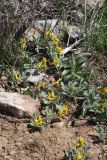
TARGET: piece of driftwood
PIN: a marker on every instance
(70, 48)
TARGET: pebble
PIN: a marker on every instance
(57, 125)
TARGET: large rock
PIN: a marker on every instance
(20, 106)
(54, 24)
(93, 3)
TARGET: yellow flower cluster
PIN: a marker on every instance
(103, 90)
(56, 61)
(23, 42)
(58, 49)
(63, 111)
(102, 106)
(42, 65)
(56, 44)
(58, 82)
(55, 41)
(40, 85)
(17, 76)
(79, 156)
(51, 96)
(48, 34)
(80, 142)
(38, 121)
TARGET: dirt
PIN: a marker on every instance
(17, 143)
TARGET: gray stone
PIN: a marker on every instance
(93, 3)
(77, 15)
(18, 105)
(50, 23)
(55, 25)
(30, 33)
(35, 76)
(73, 31)
(58, 125)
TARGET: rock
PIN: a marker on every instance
(7, 157)
(20, 106)
(58, 125)
(50, 23)
(2, 89)
(72, 35)
(93, 3)
(1, 145)
(44, 3)
(73, 31)
(12, 152)
(30, 32)
(55, 25)
(77, 16)
(58, 25)
(35, 76)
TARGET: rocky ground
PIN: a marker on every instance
(17, 143)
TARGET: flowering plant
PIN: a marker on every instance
(79, 152)
(37, 121)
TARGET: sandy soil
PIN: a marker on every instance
(17, 143)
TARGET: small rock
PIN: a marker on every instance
(77, 16)
(44, 3)
(50, 23)
(18, 105)
(12, 152)
(30, 32)
(73, 31)
(18, 144)
(1, 149)
(92, 3)
(2, 89)
(7, 157)
(58, 125)
(35, 76)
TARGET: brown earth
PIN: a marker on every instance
(17, 143)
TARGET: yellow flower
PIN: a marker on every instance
(43, 64)
(17, 76)
(38, 121)
(58, 82)
(63, 111)
(55, 40)
(48, 34)
(81, 142)
(104, 90)
(23, 42)
(72, 88)
(58, 49)
(102, 106)
(79, 156)
(51, 96)
(40, 85)
(56, 61)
